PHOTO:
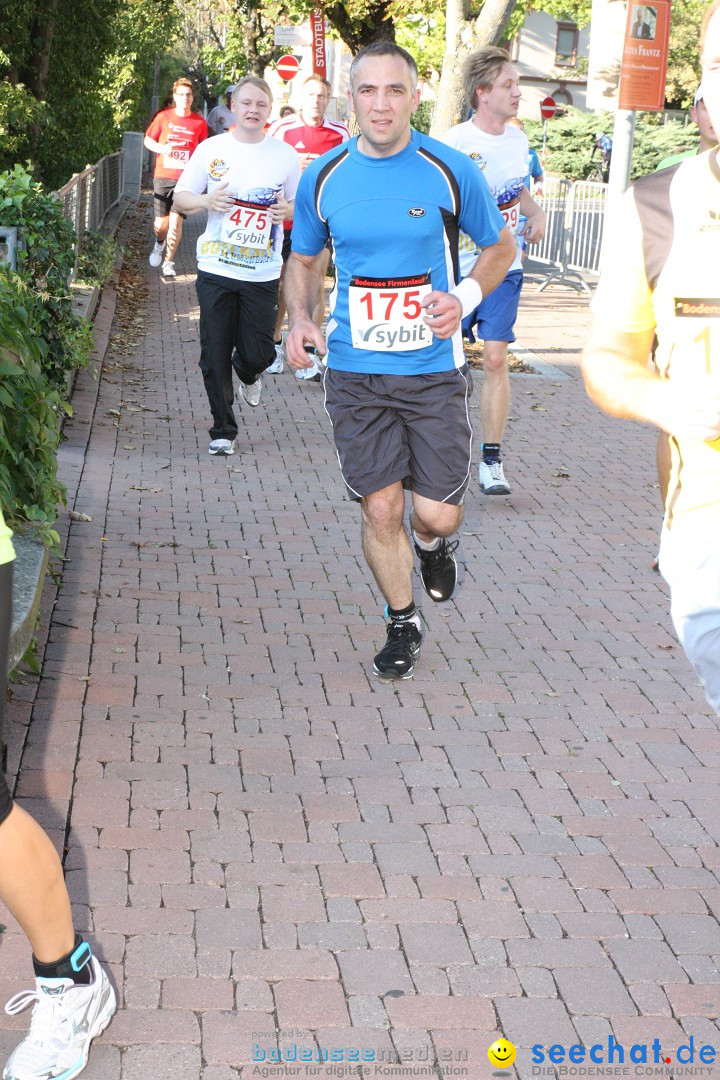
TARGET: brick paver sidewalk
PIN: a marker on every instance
(270, 847)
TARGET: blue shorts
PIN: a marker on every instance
(495, 316)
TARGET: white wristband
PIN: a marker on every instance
(469, 294)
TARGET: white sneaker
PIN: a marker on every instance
(311, 374)
(276, 368)
(65, 1020)
(156, 255)
(250, 392)
(225, 447)
(492, 479)
(168, 269)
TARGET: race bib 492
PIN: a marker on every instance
(175, 158)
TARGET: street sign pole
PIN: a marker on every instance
(548, 108)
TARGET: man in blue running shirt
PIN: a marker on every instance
(393, 203)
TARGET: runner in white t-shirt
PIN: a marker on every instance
(493, 90)
(311, 134)
(247, 182)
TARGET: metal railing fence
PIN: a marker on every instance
(573, 238)
(88, 196)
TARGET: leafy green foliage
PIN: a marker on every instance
(423, 35)
(46, 259)
(21, 116)
(570, 141)
(96, 258)
(142, 30)
(29, 416)
(683, 74)
(73, 77)
(423, 117)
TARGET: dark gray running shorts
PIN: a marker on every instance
(410, 428)
(163, 190)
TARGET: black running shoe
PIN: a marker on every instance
(438, 570)
(396, 659)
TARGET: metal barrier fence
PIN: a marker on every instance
(573, 238)
(89, 195)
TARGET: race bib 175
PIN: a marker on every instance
(385, 313)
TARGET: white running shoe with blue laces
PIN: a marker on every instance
(66, 1018)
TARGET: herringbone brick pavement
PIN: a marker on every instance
(272, 849)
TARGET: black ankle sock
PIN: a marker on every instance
(65, 967)
(491, 451)
(401, 614)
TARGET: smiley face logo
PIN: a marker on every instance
(501, 1054)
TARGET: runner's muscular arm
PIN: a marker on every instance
(302, 284)
(490, 268)
(618, 379)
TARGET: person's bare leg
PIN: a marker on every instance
(386, 544)
(430, 519)
(33, 888)
(495, 398)
(31, 878)
(664, 462)
(174, 235)
(282, 310)
(160, 228)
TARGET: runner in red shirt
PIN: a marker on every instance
(311, 134)
(172, 135)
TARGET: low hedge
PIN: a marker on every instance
(30, 409)
(41, 341)
(570, 140)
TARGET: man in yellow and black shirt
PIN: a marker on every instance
(661, 277)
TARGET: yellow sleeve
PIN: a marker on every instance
(7, 551)
(623, 298)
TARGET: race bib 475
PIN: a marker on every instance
(247, 225)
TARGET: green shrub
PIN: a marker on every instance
(22, 122)
(96, 258)
(423, 117)
(46, 257)
(570, 140)
(29, 416)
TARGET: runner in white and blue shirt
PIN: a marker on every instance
(394, 228)
(392, 203)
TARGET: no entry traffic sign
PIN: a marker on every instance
(288, 67)
(548, 108)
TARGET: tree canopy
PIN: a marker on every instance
(73, 77)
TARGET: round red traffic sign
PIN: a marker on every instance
(288, 67)
(548, 108)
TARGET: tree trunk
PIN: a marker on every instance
(253, 31)
(38, 66)
(463, 36)
(377, 25)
